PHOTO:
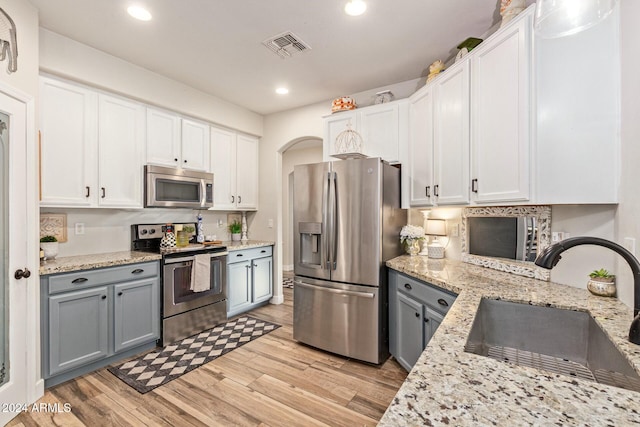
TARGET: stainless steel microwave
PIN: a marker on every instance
(177, 188)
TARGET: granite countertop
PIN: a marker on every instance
(450, 387)
(87, 262)
(238, 246)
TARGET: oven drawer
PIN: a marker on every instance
(88, 278)
(247, 254)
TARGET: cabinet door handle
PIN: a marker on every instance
(103, 297)
(88, 193)
(418, 315)
(436, 190)
(104, 192)
(233, 199)
(120, 293)
(185, 161)
(474, 185)
(255, 265)
(247, 266)
(426, 320)
(407, 286)
(137, 271)
(175, 160)
(443, 302)
(239, 199)
(427, 190)
(79, 280)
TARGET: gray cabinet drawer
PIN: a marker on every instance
(88, 278)
(246, 254)
(437, 298)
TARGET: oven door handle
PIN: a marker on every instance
(191, 258)
(335, 291)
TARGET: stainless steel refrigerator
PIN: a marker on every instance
(347, 221)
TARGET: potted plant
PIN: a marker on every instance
(410, 236)
(49, 245)
(602, 283)
(235, 228)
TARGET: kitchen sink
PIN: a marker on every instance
(561, 341)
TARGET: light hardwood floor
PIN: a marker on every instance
(272, 381)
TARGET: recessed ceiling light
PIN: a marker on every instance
(355, 7)
(282, 91)
(139, 12)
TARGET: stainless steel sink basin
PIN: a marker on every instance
(561, 341)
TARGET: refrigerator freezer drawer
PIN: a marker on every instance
(339, 318)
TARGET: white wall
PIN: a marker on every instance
(109, 230)
(628, 213)
(73, 60)
(293, 156)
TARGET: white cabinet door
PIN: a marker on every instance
(380, 129)
(121, 136)
(262, 269)
(195, 145)
(223, 167)
(335, 124)
(163, 138)
(421, 147)
(69, 132)
(247, 172)
(500, 112)
(451, 138)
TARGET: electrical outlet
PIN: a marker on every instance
(79, 228)
(630, 244)
(454, 230)
(220, 223)
(270, 223)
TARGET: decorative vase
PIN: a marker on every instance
(235, 237)
(604, 287)
(50, 249)
(169, 239)
(412, 246)
(182, 239)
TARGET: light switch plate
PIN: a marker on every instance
(630, 244)
(79, 228)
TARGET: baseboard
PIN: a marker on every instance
(277, 299)
(287, 267)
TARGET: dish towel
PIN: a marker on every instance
(201, 273)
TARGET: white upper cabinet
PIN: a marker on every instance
(195, 145)
(69, 141)
(173, 141)
(451, 135)
(92, 147)
(421, 147)
(121, 137)
(163, 138)
(247, 172)
(500, 114)
(383, 129)
(234, 163)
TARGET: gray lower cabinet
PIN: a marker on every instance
(92, 318)
(416, 310)
(249, 279)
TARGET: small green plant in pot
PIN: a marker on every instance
(49, 245)
(602, 283)
(235, 229)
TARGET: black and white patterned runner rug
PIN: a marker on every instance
(287, 282)
(161, 366)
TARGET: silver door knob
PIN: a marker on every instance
(19, 274)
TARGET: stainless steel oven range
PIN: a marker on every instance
(189, 305)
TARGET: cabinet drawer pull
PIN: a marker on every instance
(137, 271)
(417, 314)
(436, 190)
(103, 297)
(239, 255)
(474, 185)
(407, 286)
(262, 252)
(104, 192)
(443, 302)
(120, 293)
(79, 280)
(427, 190)
(88, 191)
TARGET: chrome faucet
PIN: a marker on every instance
(551, 255)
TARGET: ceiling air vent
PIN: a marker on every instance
(286, 44)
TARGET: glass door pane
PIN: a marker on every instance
(4, 247)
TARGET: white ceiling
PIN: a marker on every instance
(216, 45)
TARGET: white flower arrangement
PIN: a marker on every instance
(411, 232)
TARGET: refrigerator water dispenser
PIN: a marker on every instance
(310, 238)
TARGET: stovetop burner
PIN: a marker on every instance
(147, 237)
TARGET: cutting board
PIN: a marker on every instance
(213, 242)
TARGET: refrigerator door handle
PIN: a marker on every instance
(334, 222)
(336, 291)
(325, 221)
